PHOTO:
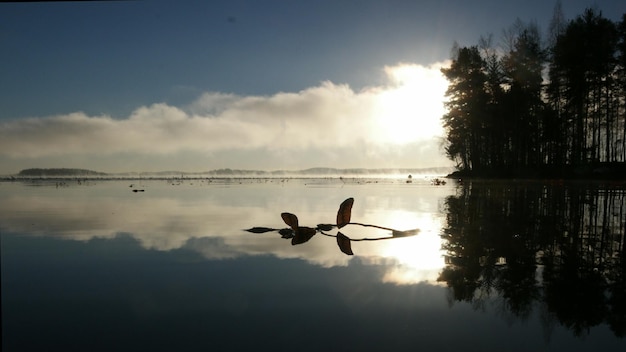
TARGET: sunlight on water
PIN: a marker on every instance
(412, 259)
(208, 217)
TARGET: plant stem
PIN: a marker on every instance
(375, 226)
(360, 239)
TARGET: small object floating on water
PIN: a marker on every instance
(138, 190)
(438, 182)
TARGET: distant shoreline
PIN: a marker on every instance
(599, 172)
(65, 173)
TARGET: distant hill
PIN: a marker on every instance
(365, 172)
(317, 171)
(60, 172)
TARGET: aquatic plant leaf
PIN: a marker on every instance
(345, 212)
(290, 219)
(344, 243)
(406, 233)
(286, 233)
(325, 227)
(303, 234)
(258, 229)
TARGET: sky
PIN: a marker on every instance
(119, 86)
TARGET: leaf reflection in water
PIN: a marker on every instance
(302, 234)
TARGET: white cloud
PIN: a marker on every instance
(326, 119)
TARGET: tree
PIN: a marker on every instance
(523, 66)
(505, 119)
(494, 124)
(557, 24)
(621, 88)
(582, 86)
(467, 107)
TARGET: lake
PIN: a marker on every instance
(166, 265)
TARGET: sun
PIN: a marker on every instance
(410, 108)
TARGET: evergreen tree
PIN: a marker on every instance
(620, 146)
(523, 66)
(467, 107)
(582, 86)
(503, 116)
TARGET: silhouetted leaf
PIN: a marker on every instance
(290, 219)
(260, 229)
(344, 243)
(325, 227)
(286, 233)
(406, 233)
(345, 212)
(303, 234)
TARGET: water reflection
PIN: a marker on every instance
(558, 249)
(209, 218)
(302, 234)
(548, 255)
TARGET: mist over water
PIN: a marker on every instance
(317, 172)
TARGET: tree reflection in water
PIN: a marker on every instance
(556, 247)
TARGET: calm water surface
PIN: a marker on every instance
(495, 266)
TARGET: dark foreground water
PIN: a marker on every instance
(94, 266)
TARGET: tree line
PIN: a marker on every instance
(540, 105)
(59, 172)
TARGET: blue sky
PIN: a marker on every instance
(306, 76)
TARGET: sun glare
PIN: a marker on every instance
(417, 258)
(411, 108)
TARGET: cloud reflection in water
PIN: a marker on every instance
(209, 218)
